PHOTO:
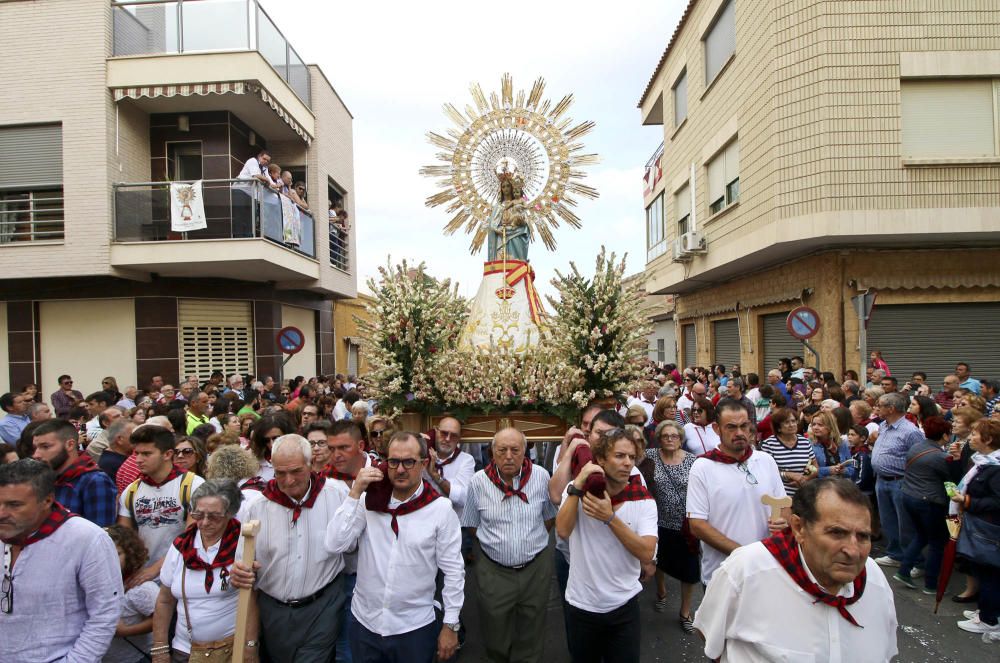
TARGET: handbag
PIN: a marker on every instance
(218, 651)
(979, 541)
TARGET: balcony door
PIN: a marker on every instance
(184, 161)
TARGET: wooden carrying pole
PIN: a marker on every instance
(249, 534)
(776, 504)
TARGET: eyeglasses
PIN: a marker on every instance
(407, 463)
(211, 517)
(7, 596)
(751, 479)
(672, 436)
(376, 433)
(447, 435)
(317, 443)
(696, 410)
(185, 452)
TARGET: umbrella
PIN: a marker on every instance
(948, 560)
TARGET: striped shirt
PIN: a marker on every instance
(789, 460)
(510, 531)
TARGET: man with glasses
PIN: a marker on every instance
(401, 547)
(725, 487)
(61, 600)
(317, 432)
(65, 397)
(693, 390)
(308, 414)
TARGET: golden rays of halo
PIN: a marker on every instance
(535, 135)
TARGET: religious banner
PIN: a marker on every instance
(291, 222)
(187, 207)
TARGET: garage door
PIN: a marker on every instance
(215, 336)
(690, 346)
(726, 342)
(933, 337)
(778, 342)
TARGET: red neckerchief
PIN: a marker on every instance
(82, 465)
(420, 501)
(493, 474)
(174, 473)
(448, 461)
(256, 483)
(57, 516)
(273, 493)
(726, 459)
(225, 557)
(786, 550)
(333, 473)
(632, 492)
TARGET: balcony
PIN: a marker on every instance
(246, 236)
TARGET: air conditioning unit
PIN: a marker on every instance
(680, 255)
(693, 242)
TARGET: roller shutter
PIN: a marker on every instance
(933, 337)
(215, 336)
(726, 342)
(690, 346)
(32, 156)
(778, 342)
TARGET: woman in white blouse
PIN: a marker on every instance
(699, 437)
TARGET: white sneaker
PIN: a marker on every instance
(971, 614)
(916, 573)
(973, 625)
(885, 560)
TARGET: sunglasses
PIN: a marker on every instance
(696, 410)
(376, 433)
(185, 452)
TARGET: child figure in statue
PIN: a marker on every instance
(508, 235)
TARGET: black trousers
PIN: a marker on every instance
(609, 637)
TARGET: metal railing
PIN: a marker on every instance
(234, 209)
(31, 216)
(339, 248)
(146, 27)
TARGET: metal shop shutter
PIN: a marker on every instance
(690, 346)
(215, 336)
(726, 342)
(778, 342)
(933, 337)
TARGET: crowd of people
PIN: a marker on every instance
(121, 515)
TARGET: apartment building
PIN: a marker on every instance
(816, 150)
(107, 104)
(662, 337)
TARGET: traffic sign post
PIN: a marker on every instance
(864, 304)
(290, 342)
(803, 324)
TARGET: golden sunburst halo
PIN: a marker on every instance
(525, 131)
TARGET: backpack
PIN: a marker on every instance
(186, 483)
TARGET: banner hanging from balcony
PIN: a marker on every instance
(187, 207)
(291, 222)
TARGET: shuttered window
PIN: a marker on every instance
(690, 345)
(682, 203)
(681, 99)
(353, 358)
(934, 337)
(32, 157)
(778, 343)
(949, 118)
(724, 178)
(661, 350)
(726, 342)
(215, 336)
(720, 41)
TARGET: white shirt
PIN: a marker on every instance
(646, 405)
(351, 555)
(396, 575)
(700, 439)
(340, 410)
(722, 494)
(751, 583)
(294, 562)
(213, 613)
(251, 170)
(684, 404)
(604, 575)
(138, 604)
(93, 429)
(458, 473)
(159, 514)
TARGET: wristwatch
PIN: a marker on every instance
(454, 627)
(571, 489)
(250, 644)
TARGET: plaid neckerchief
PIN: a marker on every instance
(256, 483)
(57, 516)
(83, 465)
(632, 492)
(333, 473)
(720, 457)
(448, 461)
(273, 493)
(493, 474)
(185, 545)
(785, 549)
(427, 496)
(174, 473)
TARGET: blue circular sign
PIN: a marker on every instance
(291, 340)
(803, 323)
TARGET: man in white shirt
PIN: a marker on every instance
(299, 581)
(401, 547)
(255, 168)
(509, 508)
(824, 600)
(97, 402)
(646, 398)
(724, 490)
(610, 538)
(451, 470)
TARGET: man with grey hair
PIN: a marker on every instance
(895, 437)
(39, 412)
(120, 447)
(100, 443)
(734, 390)
(508, 505)
(774, 379)
(236, 386)
(61, 600)
(299, 582)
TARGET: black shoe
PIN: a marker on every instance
(958, 598)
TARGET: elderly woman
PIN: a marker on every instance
(675, 556)
(833, 454)
(791, 452)
(194, 580)
(268, 429)
(136, 622)
(699, 436)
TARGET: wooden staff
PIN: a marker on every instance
(249, 534)
(776, 504)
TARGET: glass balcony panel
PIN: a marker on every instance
(146, 28)
(298, 76)
(271, 44)
(215, 25)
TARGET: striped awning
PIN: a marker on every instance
(203, 89)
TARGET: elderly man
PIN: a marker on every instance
(96, 448)
(805, 593)
(197, 411)
(451, 470)
(401, 547)
(300, 587)
(120, 447)
(39, 412)
(509, 507)
(895, 437)
(62, 582)
(646, 398)
(81, 486)
(17, 417)
(127, 400)
(946, 398)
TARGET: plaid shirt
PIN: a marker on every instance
(91, 495)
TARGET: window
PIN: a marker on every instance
(340, 226)
(31, 193)
(682, 203)
(184, 161)
(353, 357)
(724, 178)
(681, 99)
(950, 118)
(720, 41)
(655, 244)
(215, 336)
(661, 350)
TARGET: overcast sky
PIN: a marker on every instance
(396, 63)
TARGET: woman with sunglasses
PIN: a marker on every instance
(699, 436)
(189, 455)
(379, 430)
(268, 429)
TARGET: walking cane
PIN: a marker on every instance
(249, 534)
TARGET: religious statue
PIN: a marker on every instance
(508, 227)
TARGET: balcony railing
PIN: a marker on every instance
(148, 27)
(234, 209)
(31, 216)
(339, 249)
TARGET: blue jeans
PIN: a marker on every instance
(343, 642)
(923, 522)
(887, 494)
